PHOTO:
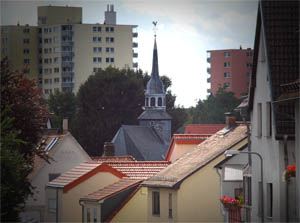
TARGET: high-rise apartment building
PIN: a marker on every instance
(230, 69)
(67, 51)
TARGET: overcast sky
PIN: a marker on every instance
(186, 30)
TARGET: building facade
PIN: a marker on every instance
(65, 51)
(230, 69)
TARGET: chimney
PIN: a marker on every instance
(229, 120)
(109, 149)
(65, 125)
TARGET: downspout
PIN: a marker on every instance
(286, 162)
(221, 193)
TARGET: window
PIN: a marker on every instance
(26, 41)
(227, 75)
(96, 69)
(26, 30)
(26, 61)
(249, 75)
(226, 54)
(26, 51)
(48, 81)
(268, 119)
(4, 40)
(170, 206)
(51, 202)
(47, 60)
(56, 49)
(152, 102)
(249, 54)
(55, 29)
(269, 200)
(96, 39)
(56, 80)
(110, 60)
(97, 49)
(96, 29)
(56, 70)
(95, 214)
(109, 29)
(52, 176)
(227, 64)
(56, 59)
(249, 65)
(226, 85)
(259, 120)
(109, 50)
(55, 39)
(109, 39)
(155, 203)
(159, 101)
(97, 60)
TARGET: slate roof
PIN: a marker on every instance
(140, 142)
(203, 128)
(291, 91)
(111, 190)
(279, 21)
(211, 148)
(154, 115)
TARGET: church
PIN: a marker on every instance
(148, 141)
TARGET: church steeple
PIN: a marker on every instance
(155, 96)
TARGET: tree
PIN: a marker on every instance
(211, 110)
(63, 105)
(107, 100)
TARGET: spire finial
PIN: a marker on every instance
(155, 28)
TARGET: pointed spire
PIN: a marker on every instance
(155, 73)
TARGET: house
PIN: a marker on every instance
(65, 153)
(151, 138)
(63, 193)
(275, 125)
(188, 189)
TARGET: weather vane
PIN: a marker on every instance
(155, 28)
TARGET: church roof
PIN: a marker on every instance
(155, 85)
(141, 142)
(154, 115)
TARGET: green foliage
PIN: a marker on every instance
(63, 105)
(15, 187)
(211, 110)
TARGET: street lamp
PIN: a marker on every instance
(235, 152)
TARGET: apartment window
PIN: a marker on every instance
(47, 60)
(26, 30)
(55, 39)
(96, 69)
(52, 176)
(48, 91)
(56, 49)
(26, 51)
(110, 60)
(226, 54)
(97, 49)
(51, 202)
(45, 30)
(26, 41)
(55, 29)
(110, 50)
(67, 79)
(249, 65)
(97, 60)
(96, 29)
(4, 40)
(227, 75)
(56, 70)
(46, 41)
(249, 54)
(26, 61)
(268, 119)
(170, 206)
(259, 120)
(48, 81)
(56, 59)
(96, 39)
(269, 200)
(155, 203)
(226, 85)
(109, 29)
(227, 64)
(109, 39)
(56, 80)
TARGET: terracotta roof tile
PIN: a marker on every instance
(112, 189)
(205, 129)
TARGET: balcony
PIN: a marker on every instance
(135, 55)
(135, 65)
(67, 84)
(134, 45)
(67, 43)
(67, 53)
(208, 59)
(67, 33)
(67, 73)
(67, 63)
(208, 70)
(208, 80)
(134, 35)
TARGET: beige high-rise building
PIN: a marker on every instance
(67, 52)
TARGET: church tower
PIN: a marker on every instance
(155, 114)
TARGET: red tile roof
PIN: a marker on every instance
(206, 129)
(112, 189)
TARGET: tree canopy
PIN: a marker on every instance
(211, 110)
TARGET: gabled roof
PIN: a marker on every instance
(140, 142)
(112, 189)
(211, 148)
(154, 115)
(206, 129)
(279, 21)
